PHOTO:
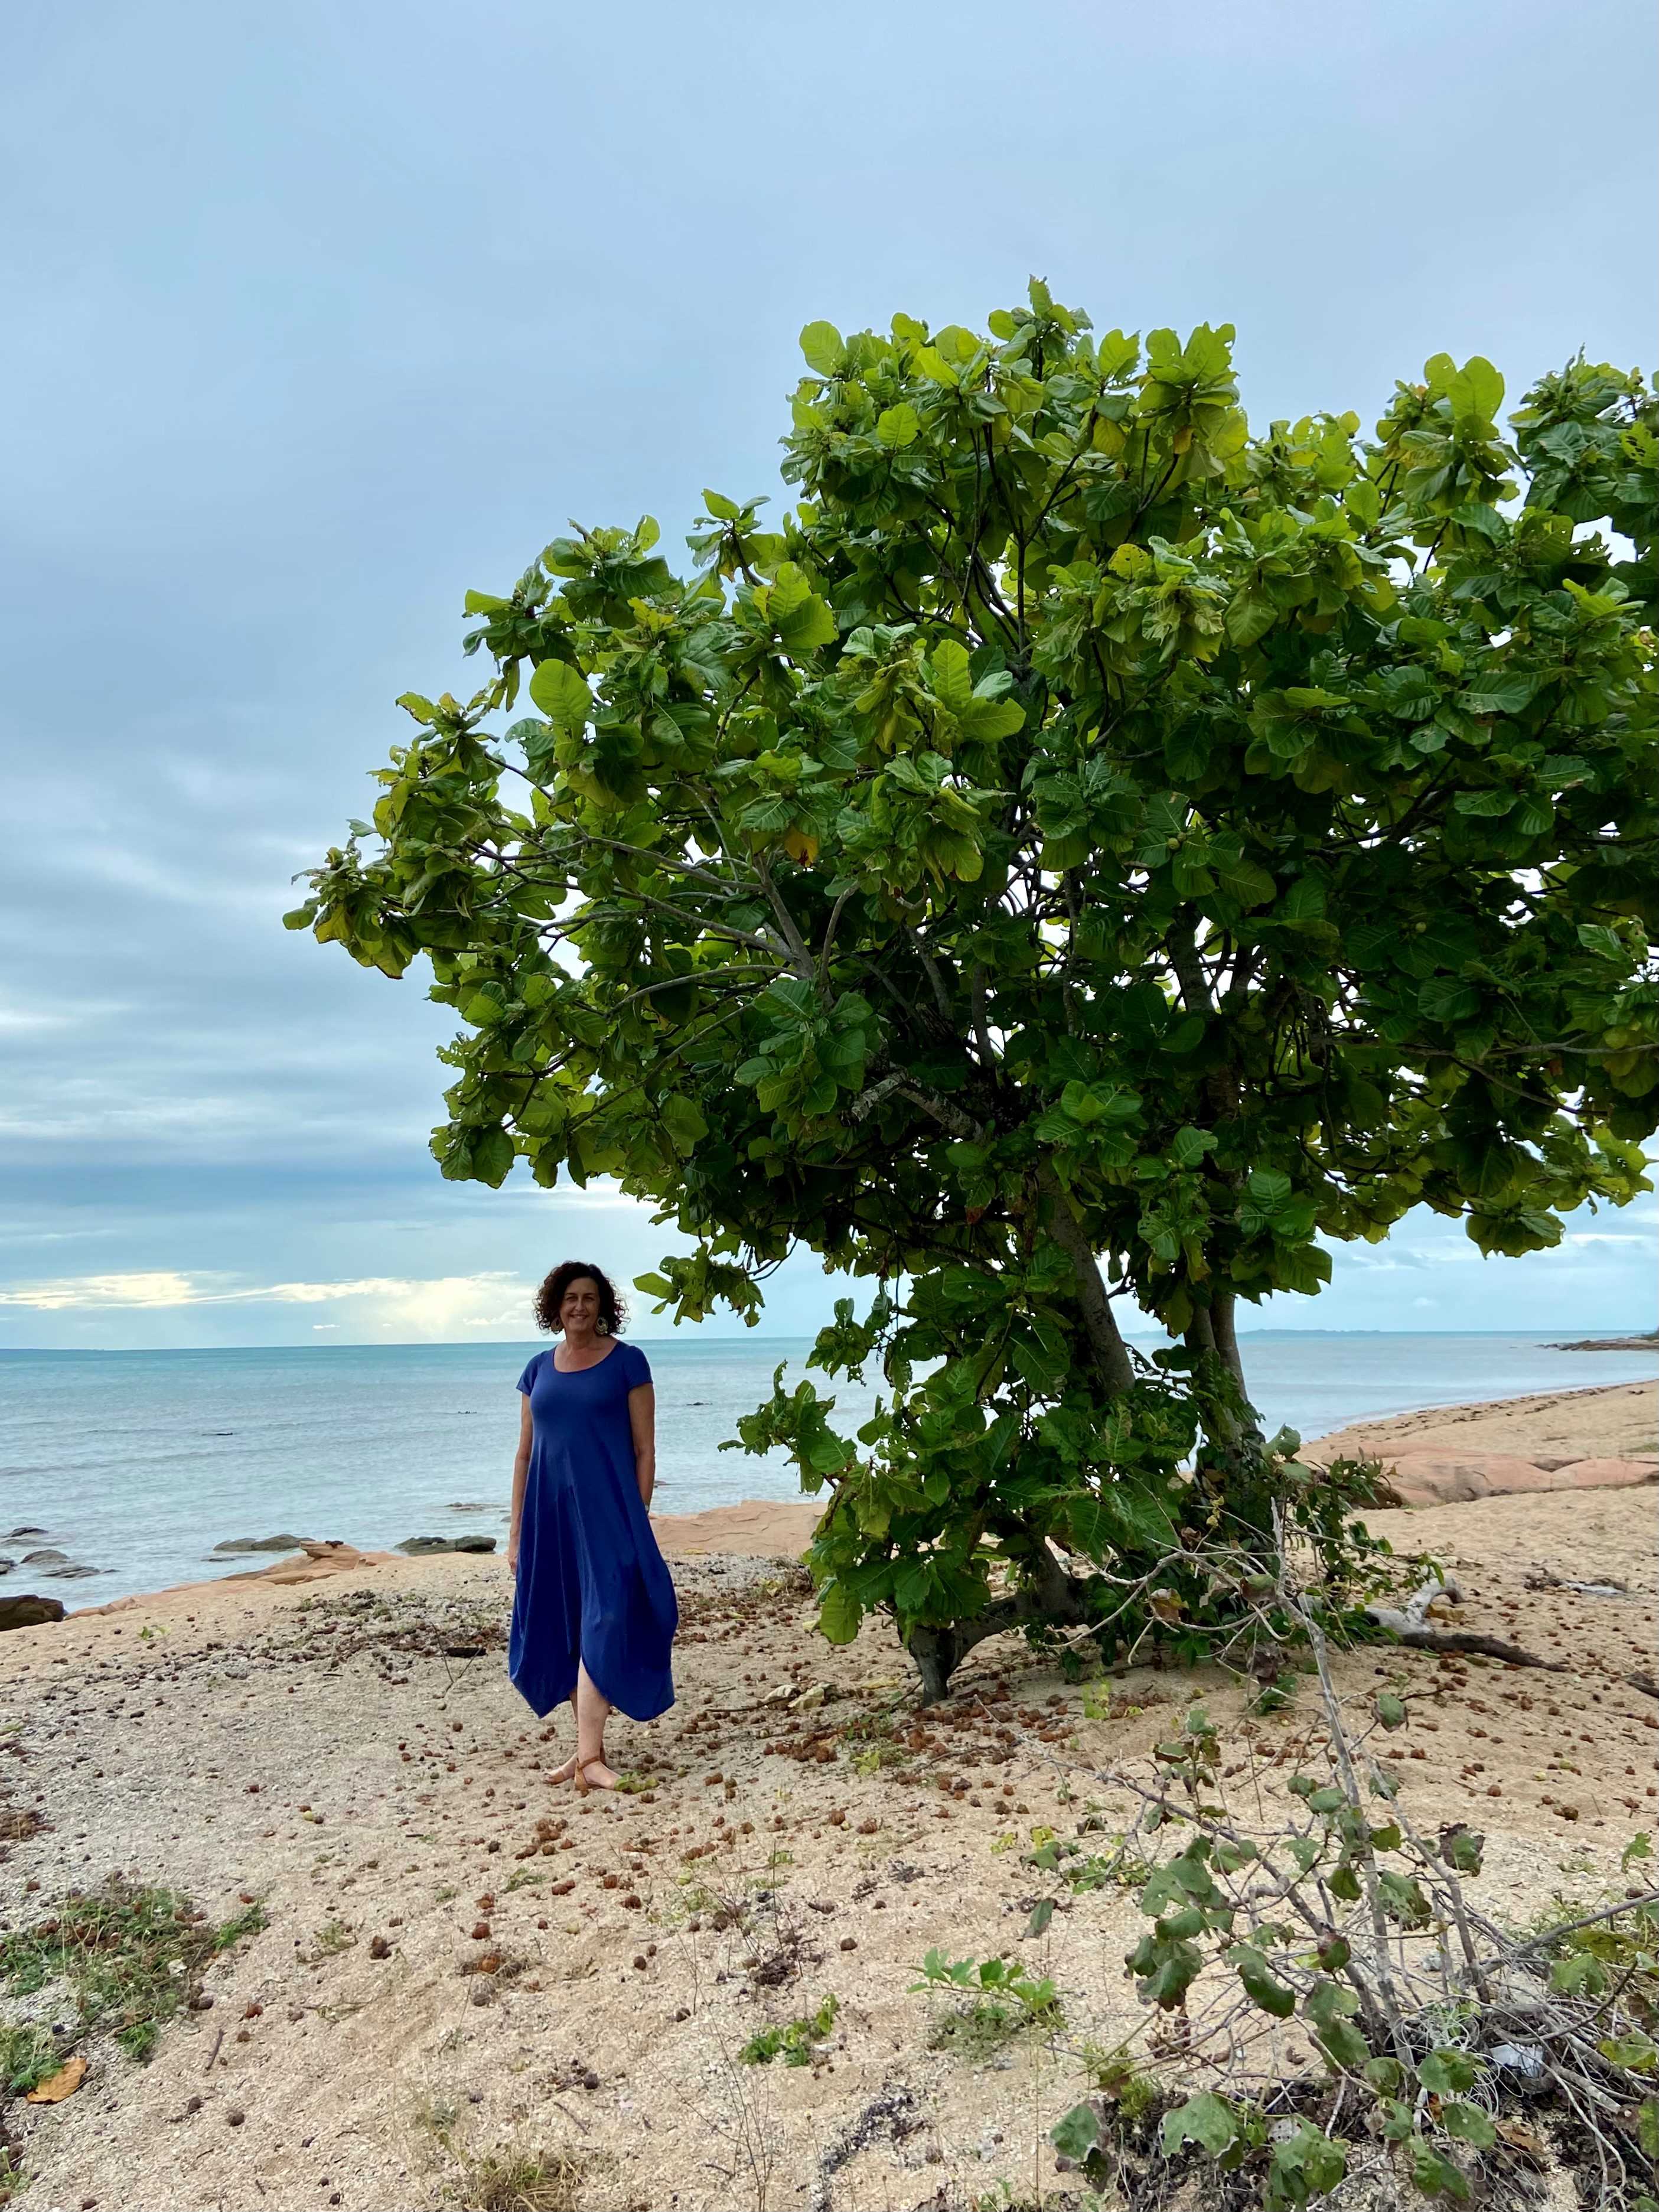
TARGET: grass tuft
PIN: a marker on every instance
(522, 2181)
(27, 2055)
(132, 1954)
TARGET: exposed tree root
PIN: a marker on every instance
(1490, 1647)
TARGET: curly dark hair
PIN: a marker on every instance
(613, 1314)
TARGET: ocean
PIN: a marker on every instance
(136, 1463)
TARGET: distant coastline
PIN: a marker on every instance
(1647, 1341)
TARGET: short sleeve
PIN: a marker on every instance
(639, 1367)
(527, 1381)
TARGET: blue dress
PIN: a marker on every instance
(592, 1584)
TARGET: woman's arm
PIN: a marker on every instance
(642, 1420)
(521, 1472)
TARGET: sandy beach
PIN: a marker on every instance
(462, 1963)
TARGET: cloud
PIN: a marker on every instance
(154, 1287)
(234, 1121)
(410, 1296)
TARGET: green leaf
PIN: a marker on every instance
(953, 684)
(1505, 692)
(839, 1613)
(1477, 389)
(1205, 2119)
(898, 426)
(558, 689)
(1260, 1984)
(1446, 999)
(1447, 2071)
(492, 1156)
(1460, 1848)
(685, 1125)
(1308, 2164)
(1597, 937)
(822, 344)
(1494, 804)
(1635, 2053)
(802, 620)
(1041, 1913)
(1469, 2124)
(1435, 2175)
(1390, 1711)
(1578, 1975)
(1189, 1147)
(1076, 2134)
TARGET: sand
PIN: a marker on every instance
(259, 1738)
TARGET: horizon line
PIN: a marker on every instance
(1584, 1331)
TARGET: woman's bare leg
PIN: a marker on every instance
(592, 1709)
(564, 1773)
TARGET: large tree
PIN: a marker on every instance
(1087, 857)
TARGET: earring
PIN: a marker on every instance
(603, 1328)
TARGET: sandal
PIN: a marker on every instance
(584, 1787)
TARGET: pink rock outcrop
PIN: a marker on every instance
(1429, 1478)
(1605, 1473)
(1454, 1477)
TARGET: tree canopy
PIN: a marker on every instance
(1086, 854)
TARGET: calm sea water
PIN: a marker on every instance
(137, 1463)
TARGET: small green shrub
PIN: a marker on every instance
(876, 1756)
(1005, 2001)
(794, 2043)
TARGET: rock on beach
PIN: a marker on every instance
(30, 1612)
(283, 1543)
(419, 1548)
(1420, 1478)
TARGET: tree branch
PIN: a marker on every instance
(1111, 1354)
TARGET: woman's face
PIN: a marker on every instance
(579, 1308)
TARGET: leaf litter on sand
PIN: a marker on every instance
(391, 1624)
(63, 2083)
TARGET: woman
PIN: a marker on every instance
(593, 1609)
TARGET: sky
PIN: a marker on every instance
(317, 315)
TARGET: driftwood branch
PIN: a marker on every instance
(1410, 1623)
(1488, 1647)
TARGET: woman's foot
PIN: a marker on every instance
(565, 1773)
(594, 1774)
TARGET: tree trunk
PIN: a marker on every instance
(1223, 1310)
(1052, 1596)
(1200, 1331)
